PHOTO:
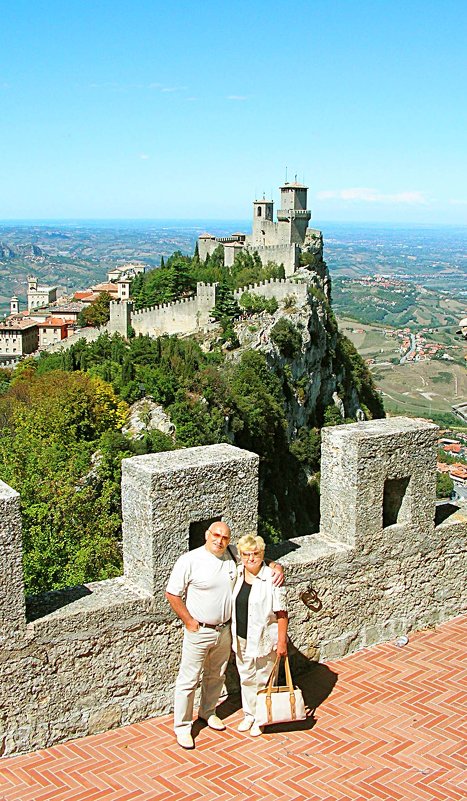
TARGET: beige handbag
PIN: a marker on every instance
(279, 704)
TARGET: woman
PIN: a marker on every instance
(259, 625)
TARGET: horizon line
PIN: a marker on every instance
(196, 220)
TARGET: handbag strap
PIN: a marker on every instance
(274, 673)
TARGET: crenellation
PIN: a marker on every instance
(106, 653)
(282, 241)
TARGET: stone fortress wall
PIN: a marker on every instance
(182, 317)
(186, 316)
(278, 288)
(89, 658)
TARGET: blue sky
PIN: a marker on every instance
(190, 109)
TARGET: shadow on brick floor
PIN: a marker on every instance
(315, 680)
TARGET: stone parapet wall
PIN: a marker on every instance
(278, 288)
(12, 607)
(185, 316)
(88, 334)
(182, 317)
(105, 654)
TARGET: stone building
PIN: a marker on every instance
(68, 311)
(280, 241)
(128, 271)
(40, 295)
(18, 336)
(52, 330)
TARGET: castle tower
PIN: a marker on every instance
(123, 285)
(293, 211)
(32, 283)
(14, 305)
(263, 213)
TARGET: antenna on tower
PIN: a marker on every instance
(295, 177)
(286, 175)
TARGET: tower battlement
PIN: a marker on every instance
(281, 241)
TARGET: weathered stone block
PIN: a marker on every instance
(12, 607)
(378, 474)
(166, 494)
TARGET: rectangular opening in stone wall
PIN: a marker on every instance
(197, 531)
(395, 506)
(445, 509)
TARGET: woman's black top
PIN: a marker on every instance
(241, 609)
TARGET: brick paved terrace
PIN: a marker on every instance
(387, 724)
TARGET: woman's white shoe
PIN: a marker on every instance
(255, 730)
(245, 724)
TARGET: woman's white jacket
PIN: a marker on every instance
(264, 601)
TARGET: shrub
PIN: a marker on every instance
(258, 303)
(444, 485)
(287, 338)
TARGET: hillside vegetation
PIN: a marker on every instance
(61, 417)
(398, 305)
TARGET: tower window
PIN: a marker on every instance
(259, 211)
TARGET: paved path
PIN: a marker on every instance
(388, 725)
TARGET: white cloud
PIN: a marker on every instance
(144, 156)
(453, 202)
(161, 88)
(367, 195)
(237, 97)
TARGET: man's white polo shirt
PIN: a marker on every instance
(206, 581)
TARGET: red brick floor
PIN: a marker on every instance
(388, 726)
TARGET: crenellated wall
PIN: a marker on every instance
(186, 316)
(278, 288)
(93, 657)
(183, 317)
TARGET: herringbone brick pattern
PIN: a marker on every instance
(389, 728)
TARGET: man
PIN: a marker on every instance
(200, 593)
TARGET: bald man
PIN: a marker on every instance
(200, 593)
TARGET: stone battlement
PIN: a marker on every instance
(106, 654)
(278, 288)
(139, 312)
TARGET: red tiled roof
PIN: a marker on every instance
(53, 322)
(105, 287)
(454, 448)
(18, 325)
(458, 471)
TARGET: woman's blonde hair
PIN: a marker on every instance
(249, 541)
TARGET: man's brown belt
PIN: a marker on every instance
(215, 626)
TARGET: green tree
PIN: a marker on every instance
(253, 303)
(50, 426)
(287, 338)
(444, 485)
(332, 416)
(97, 313)
(226, 304)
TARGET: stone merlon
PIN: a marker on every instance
(106, 654)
